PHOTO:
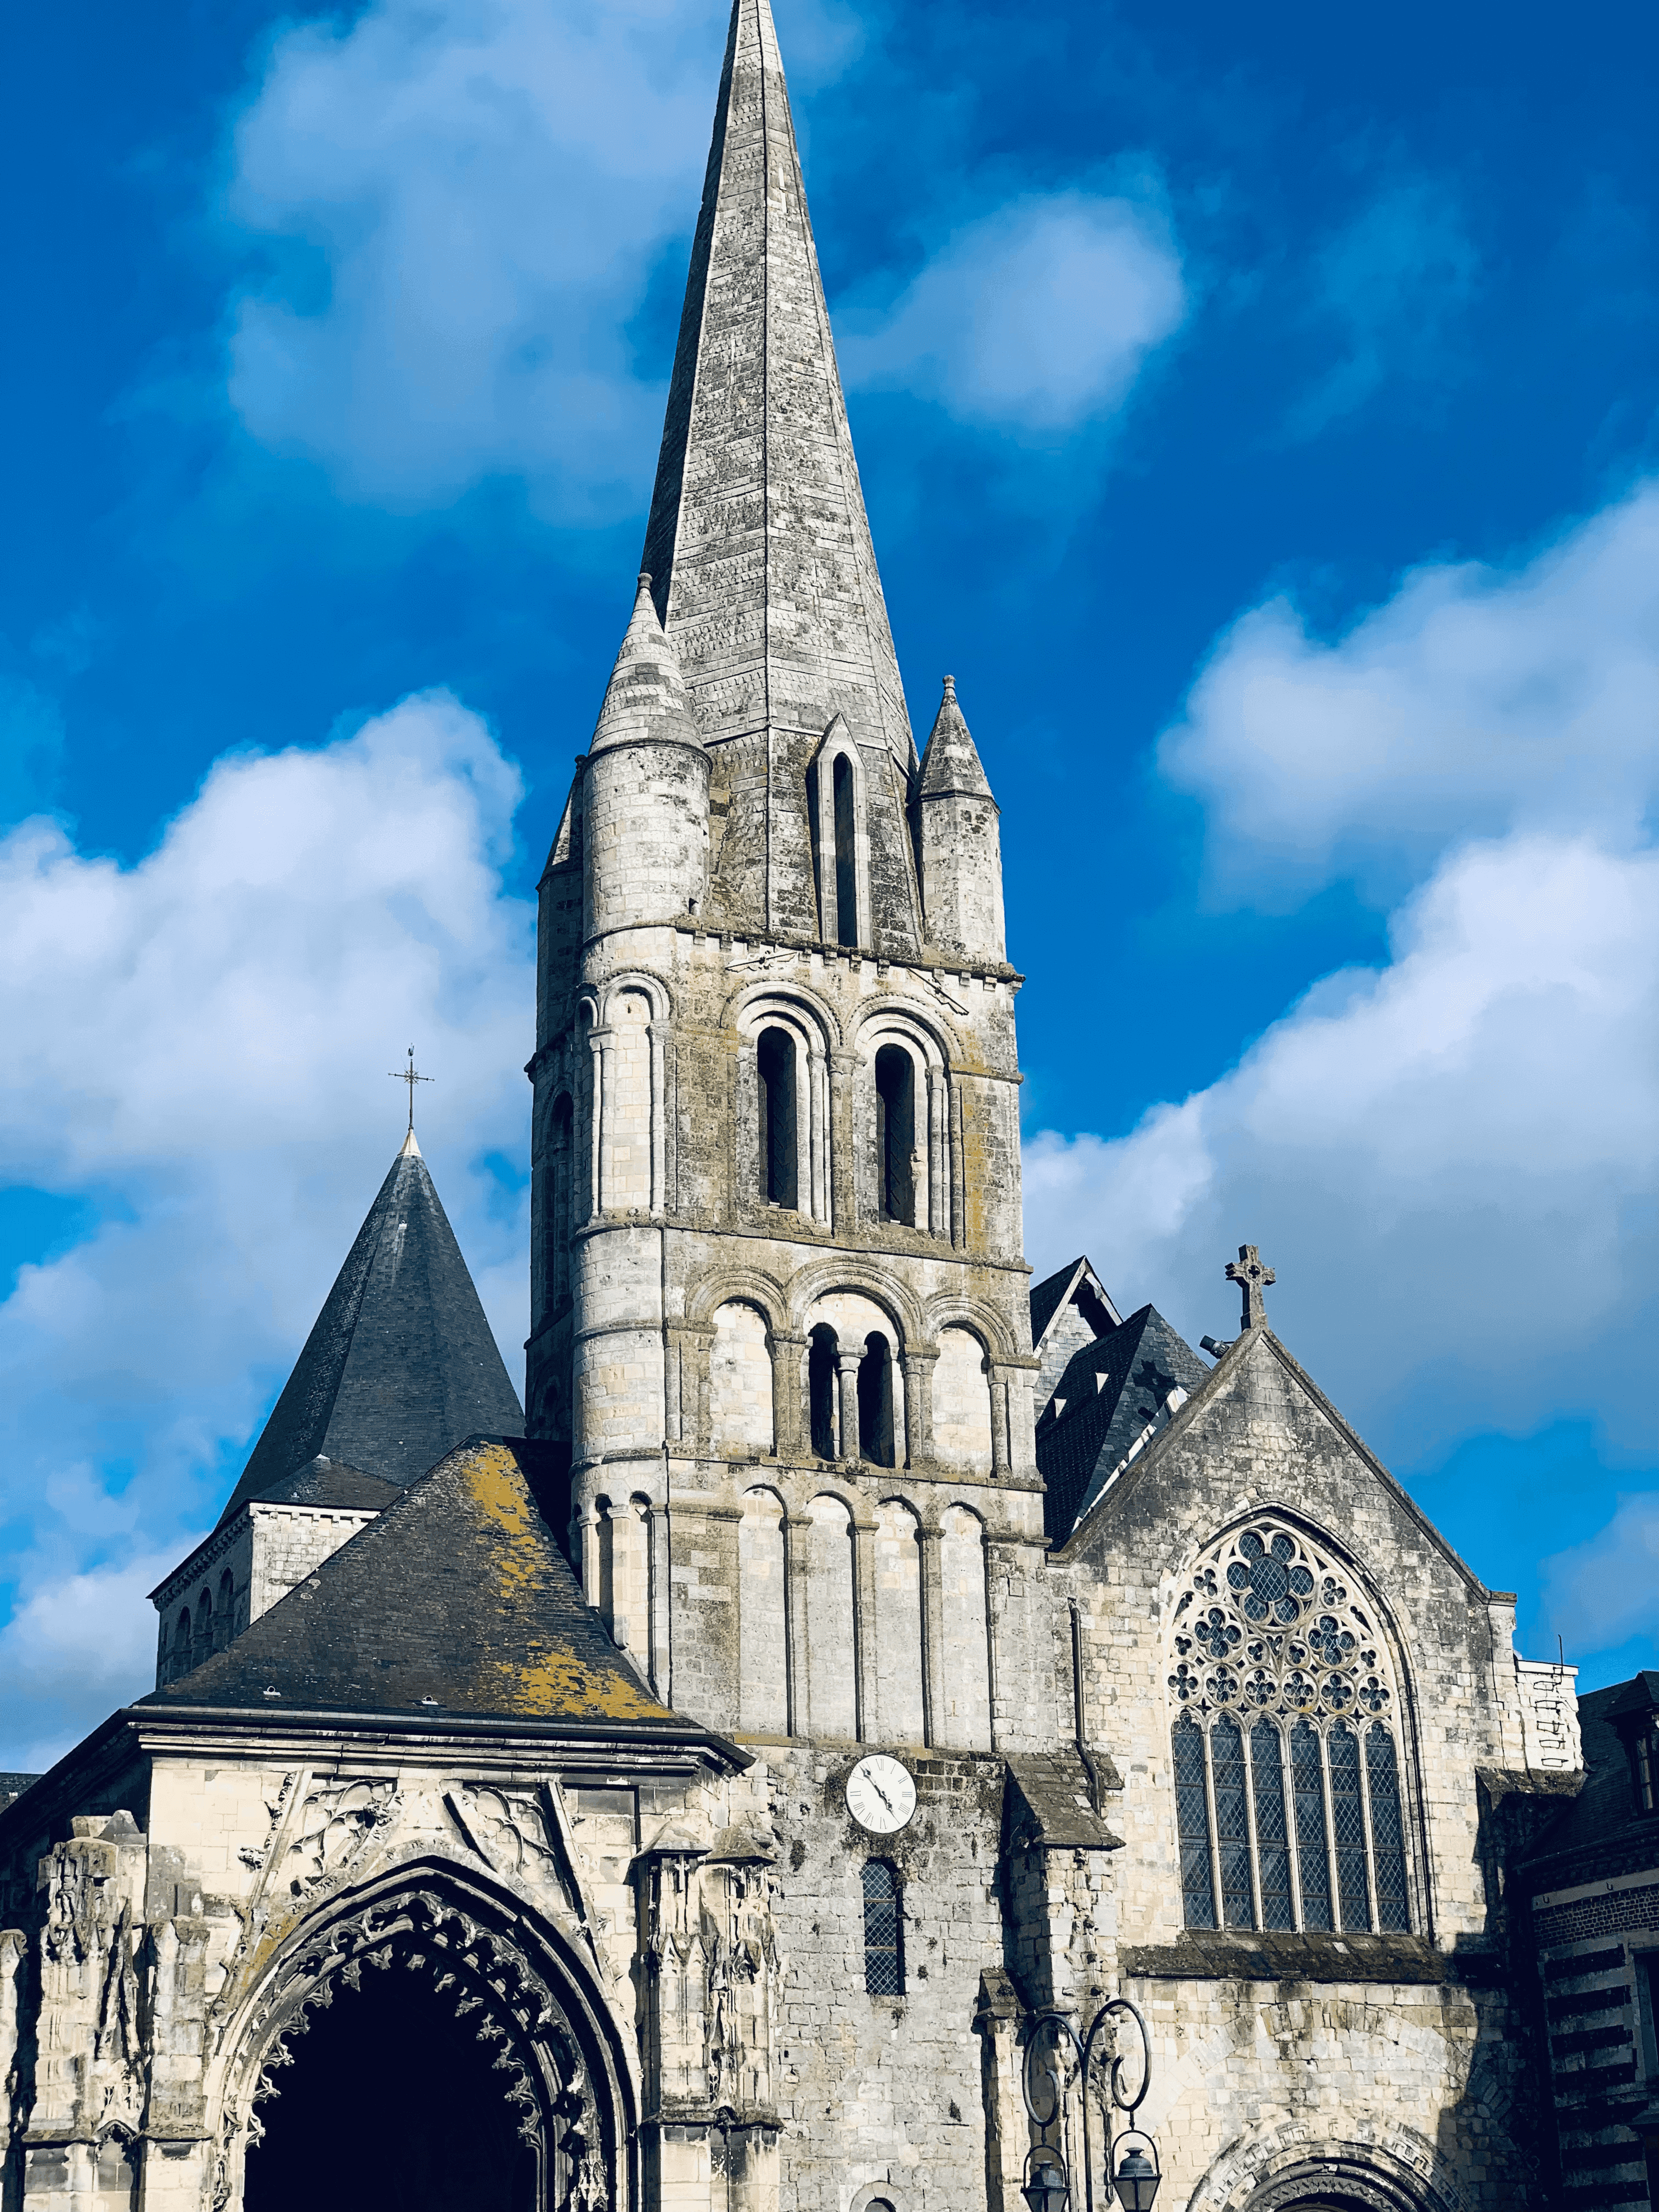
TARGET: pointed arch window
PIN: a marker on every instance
(884, 1931)
(843, 806)
(1288, 1771)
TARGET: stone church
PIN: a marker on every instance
(692, 1790)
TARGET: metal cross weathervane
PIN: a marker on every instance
(1252, 1278)
(408, 1075)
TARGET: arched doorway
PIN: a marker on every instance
(428, 2046)
(392, 2101)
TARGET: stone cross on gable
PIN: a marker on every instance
(1252, 1278)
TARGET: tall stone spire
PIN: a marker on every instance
(765, 575)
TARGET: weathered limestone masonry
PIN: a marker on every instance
(686, 1792)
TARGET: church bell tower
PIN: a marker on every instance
(780, 1303)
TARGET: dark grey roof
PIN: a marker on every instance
(324, 1482)
(1051, 1293)
(13, 1786)
(458, 1595)
(1112, 1390)
(401, 1364)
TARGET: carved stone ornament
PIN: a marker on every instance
(334, 1825)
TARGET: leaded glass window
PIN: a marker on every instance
(884, 1931)
(1287, 1768)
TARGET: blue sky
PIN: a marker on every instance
(1257, 413)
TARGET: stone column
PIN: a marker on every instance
(843, 1208)
(847, 1366)
(597, 1039)
(818, 1108)
(656, 1033)
(788, 1430)
(918, 1371)
(999, 1422)
(932, 1638)
(797, 1571)
(958, 1195)
(863, 1620)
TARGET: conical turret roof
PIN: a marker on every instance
(646, 695)
(401, 1364)
(759, 539)
(951, 762)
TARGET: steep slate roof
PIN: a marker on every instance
(1051, 1293)
(324, 1482)
(458, 1593)
(401, 1364)
(759, 540)
(1112, 1388)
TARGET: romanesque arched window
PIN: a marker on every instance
(774, 1065)
(182, 1662)
(884, 1931)
(896, 1134)
(822, 1372)
(876, 1437)
(224, 1625)
(1289, 1780)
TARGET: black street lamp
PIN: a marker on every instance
(1047, 2187)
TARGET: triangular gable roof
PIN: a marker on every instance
(1262, 1343)
(401, 1363)
(455, 1600)
(1054, 1290)
(1113, 1388)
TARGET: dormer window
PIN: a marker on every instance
(1645, 1768)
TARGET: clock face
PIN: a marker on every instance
(880, 1794)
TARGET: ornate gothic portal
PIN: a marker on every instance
(412, 2055)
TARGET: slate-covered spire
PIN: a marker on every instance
(759, 539)
(401, 1365)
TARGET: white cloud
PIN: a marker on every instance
(1601, 1593)
(1476, 701)
(1038, 316)
(1390, 284)
(461, 201)
(73, 1650)
(201, 1044)
(1446, 1160)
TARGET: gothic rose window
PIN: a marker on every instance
(1287, 1769)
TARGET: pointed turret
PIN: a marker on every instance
(960, 840)
(759, 539)
(401, 1364)
(644, 803)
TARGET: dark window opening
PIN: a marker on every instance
(1644, 1762)
(1647, 2012)
(821, 1374)
(895, 1134)
(884, 1931)
(775, 1058)
(847, 869)
(202, 1644)
(876, 1401)
(222, 1627)
(182, 1644)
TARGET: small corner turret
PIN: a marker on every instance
(960, 841)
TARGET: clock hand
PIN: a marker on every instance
(879, 1791)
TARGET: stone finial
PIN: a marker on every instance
(1252, 1278)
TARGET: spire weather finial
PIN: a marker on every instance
(409, 1076)
(1252, 1278)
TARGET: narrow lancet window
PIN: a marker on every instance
(884, 1931)
(846, 865)
(1273, 1840)
(1232, 1827)
(1387, 1830)
(876, 1401)
(895, 1134)
(1197, 1894)
(775, 1060)
(1348, 1821)
(822, 1372)
(1308, 1789)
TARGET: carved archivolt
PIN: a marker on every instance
(476, 1961)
